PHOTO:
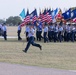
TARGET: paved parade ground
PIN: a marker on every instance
(16, 69)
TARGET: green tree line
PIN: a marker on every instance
(11, 21)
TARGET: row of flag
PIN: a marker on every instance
(47, 15)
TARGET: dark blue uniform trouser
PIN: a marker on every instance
(37, 35)
(5, 36)
(31, 41)
(68, 36)
(50, 35)
(40, 36)
(55, 36)
(65, 36)
(60, 36)
(26, 36)
(19, 31)
(72, 36)
(45, 37)
(0, 31)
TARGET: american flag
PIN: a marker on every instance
(34, 18)
(26, 20)
(49, 18)
(46, 18)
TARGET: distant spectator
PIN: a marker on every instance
(19, 31)
(4, 31)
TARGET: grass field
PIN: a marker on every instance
(53, 55)
(12, 31)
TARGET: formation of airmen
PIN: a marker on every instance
(52, 32)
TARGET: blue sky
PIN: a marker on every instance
(14, 7)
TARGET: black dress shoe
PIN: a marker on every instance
(24, 51)
(40, 47)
